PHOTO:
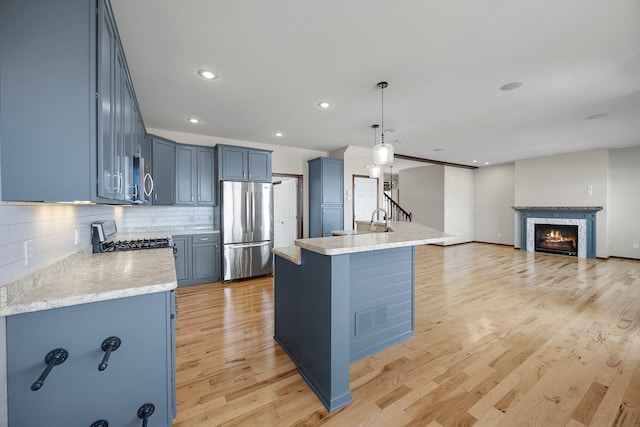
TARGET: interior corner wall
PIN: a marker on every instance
(459, 204)
(624, 202)
(494, 198)
(573, 179)
(422, 192)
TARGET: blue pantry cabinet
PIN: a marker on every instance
(76, 393)
(69, 111)
(326, 185)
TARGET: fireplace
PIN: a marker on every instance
(556, 239)
(571, 230)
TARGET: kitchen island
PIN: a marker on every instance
(340, 299)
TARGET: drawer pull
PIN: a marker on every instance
(54, 357)
(145, 411)
(100, 423)
(108, 345)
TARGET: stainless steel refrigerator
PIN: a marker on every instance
(247, 229)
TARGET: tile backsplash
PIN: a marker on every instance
(45, 233)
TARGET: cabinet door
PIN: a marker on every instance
(234, 163)
(259, 165)
(183, 258)
(76, 393)
(130, 129)
(332, 177)
(332, 219)
(163, 171)
(185, 175)
(205, 183)
(203, 261)
(107, 46)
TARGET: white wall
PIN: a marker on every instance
(459, 204)
(624, 202)
(422, 193)
(564, 180)
(493, 199)
(355, 161)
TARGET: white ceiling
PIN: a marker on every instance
(444, 60)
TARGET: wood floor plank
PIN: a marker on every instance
(502, 338)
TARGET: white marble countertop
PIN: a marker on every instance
(290, 253)
(89, 278)
(403, 234)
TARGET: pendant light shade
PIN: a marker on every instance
(383, 153)
(374, 171)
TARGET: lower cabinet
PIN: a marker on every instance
(198, 258)
(83, 389)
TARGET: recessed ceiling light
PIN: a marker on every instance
(207, 74)
(324, 105)
(486, 163)
(438, 149)
(511, 86)
(389, 130)
(278, 134)
(475, 161)
(193, 120)
(596, 116)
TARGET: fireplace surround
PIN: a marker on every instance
(581, 220)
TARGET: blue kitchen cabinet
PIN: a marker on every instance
(163, 164)
(198, 259)
(67, 103)
(195, 176)
(326, 185)
(243, 164)
(75, 393)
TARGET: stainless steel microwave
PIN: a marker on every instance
(142, 181)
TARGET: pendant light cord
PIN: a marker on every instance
(382, 121)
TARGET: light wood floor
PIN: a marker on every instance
(502, 338)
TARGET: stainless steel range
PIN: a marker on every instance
(103, 235)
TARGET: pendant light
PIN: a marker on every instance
(383, 153)
(374, 170)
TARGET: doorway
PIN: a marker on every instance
(287, 209)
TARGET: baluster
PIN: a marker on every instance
(54, 357)
(145, 411)
(108, 345)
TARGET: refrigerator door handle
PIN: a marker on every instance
(247, 218)
(247, 245)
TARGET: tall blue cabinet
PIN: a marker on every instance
(326, 186)
(70, 122)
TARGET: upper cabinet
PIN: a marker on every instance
(194, 175)
(243, 164)
(163, 164)
(69, 111)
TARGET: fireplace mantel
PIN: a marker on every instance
(559, 208)
(584, 215)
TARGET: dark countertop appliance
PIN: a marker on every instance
(103, 239)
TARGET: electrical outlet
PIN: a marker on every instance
(77, 236)
(635, 246)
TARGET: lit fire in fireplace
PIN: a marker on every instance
(558, 239)
(555, 236)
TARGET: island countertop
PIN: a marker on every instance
(403, 234)
(90, 278)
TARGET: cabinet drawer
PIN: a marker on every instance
(206, 238)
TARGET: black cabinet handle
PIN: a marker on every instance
(54, 357)
(100, 423)
(145, 411)
(108, 345)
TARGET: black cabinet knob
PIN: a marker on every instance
(53, 358)
(100, 423)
